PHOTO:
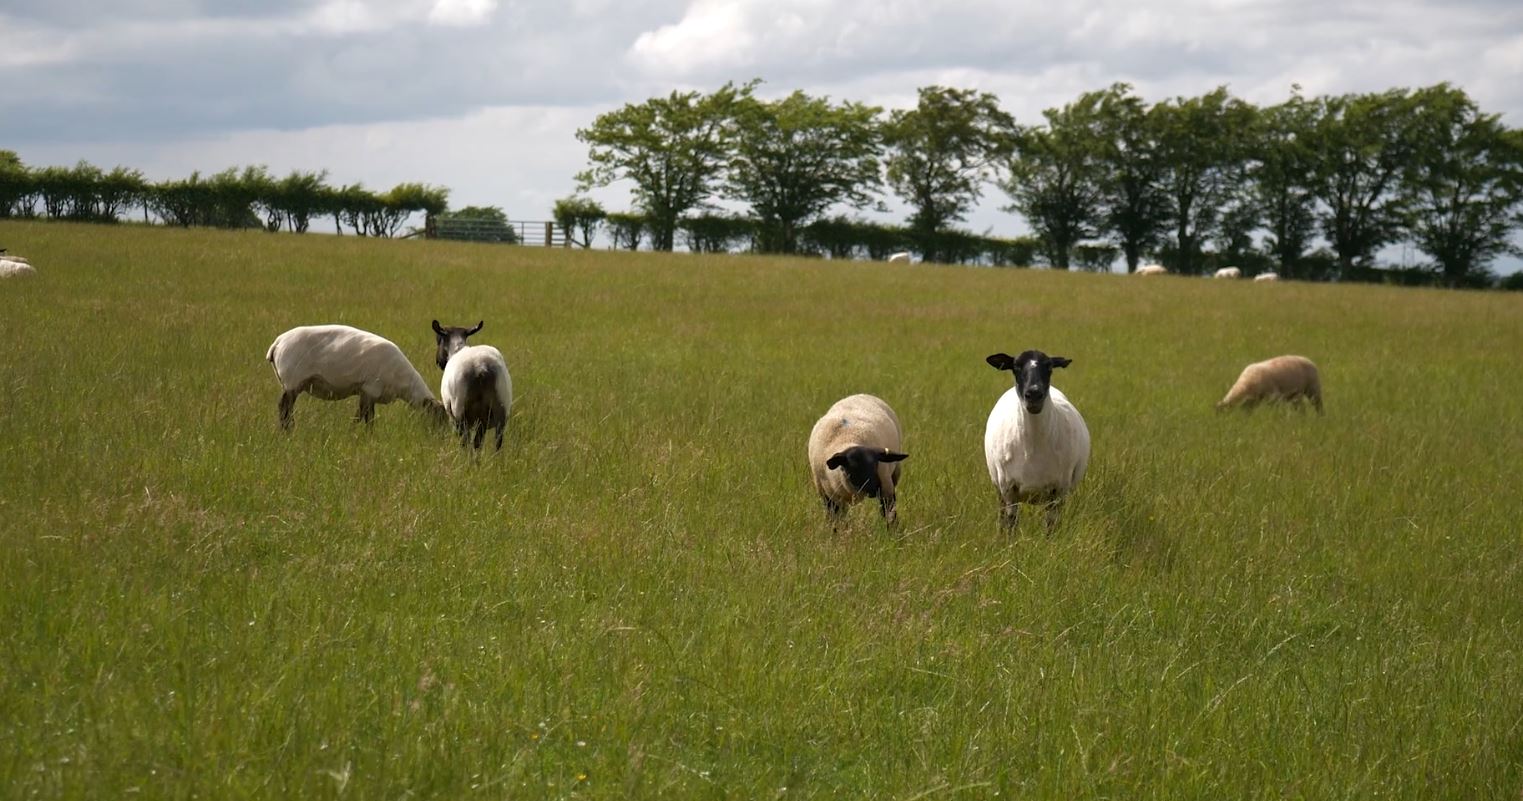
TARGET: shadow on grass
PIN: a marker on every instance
(1130, 523)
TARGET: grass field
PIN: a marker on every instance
(639, 597)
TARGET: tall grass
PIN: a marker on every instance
(639, 597)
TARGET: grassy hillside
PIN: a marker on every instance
(639, 596)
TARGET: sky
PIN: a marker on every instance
(485, 96)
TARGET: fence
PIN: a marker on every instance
(514, 232)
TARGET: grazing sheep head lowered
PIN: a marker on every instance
(1033, 375)
(451, 339)
(860, 465)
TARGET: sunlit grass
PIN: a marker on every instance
(640, 596)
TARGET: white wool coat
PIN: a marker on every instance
(1044, 455)
(454, 388)
(864, 420)
(337, 361)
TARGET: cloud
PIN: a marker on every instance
(461, 12)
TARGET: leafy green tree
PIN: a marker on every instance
(579, 213)
(672, 148)
(1363, 143)
(1282, 177)
(941, 153)
(1464, 183)
(1135, 208)
(117, 191)
(300, 197)
(1054, 179)
(476, 224)
(716, 233)
(626, 229)
(1201, 154)
(17, 187)
(796, 157)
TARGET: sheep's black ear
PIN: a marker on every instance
(1059, 361)
(1001, 361)
(836, 462)
(438, 329)
(477, 328)
(892, 456)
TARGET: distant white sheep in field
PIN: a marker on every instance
(1228, 272)
(1266, 277)
(1152, 269)
(854, 453)
(1036, 443)
(902, 257)
(1283, 378)
(476, 388)
(15, 268)
(333, 362)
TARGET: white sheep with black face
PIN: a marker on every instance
(476, 388)
(854, 453)
(333, 362)
(1036, 443)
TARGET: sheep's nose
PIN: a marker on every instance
(1033, 394)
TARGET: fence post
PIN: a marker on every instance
(549, 234)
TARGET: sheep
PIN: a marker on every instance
(15, 268)
(334, 362)
(1036, 443)
(477, 392)
(1287, 378)
(854, 453)
(1266, 277)
(1228, 272)
(449, 339)
(1152, 269)
(900, 257)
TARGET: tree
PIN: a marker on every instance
(942, 151)
(1465, 184)
(1134, 206)
(17, 187)
(672, 148)
(1054, 179)
(1201, 152)
(626, 229)
(583, 214)
(1282, 174)
(1362, 144)
(300, 197)
(476, 224)
(796, 157)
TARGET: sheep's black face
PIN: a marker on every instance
(861, 467)
(450, 339)
(1033, 375)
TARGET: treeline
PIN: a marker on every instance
(234, 198)
(1313, 188)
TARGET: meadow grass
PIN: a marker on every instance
(640, 597)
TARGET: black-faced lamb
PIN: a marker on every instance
(854, 453)
(1036, 443)
(476, 388)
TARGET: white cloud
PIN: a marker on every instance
(462, 12)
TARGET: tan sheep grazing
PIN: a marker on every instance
(1152, 269)
(1283, 378)
(854, 454)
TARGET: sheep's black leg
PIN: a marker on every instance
(463, 432)
(287, 403)
(501, 424)
(888, 505)
(366, 412)
(481, 433)
(834, 512)
(1010, 509)
(1054, 513)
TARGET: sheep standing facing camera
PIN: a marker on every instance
(333, 362)
(1287, 378)
(1036, 443)
(854, 454)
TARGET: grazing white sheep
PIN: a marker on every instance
(900, 257)
(1036, 443)
(1266, 277)
(854, 454)
(1228, 272)
(15, 268)
(1287, 378)
(477, 392)
(1152, 269)
(334, 362)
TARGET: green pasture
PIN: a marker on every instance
(639, 597)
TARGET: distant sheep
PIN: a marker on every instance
(902, 257)
(15, 268)
(1036, 443)
(1152, 269)
(1228, 272)
(1283, 378)
(854, 453)
(1266, 277)
(333, 362)
(477, 392)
